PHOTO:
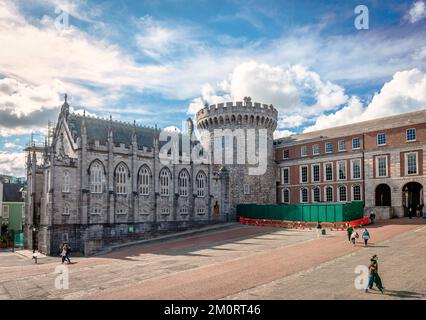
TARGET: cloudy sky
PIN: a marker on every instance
(158, 62)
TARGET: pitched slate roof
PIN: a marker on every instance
(97, 129)
(12, 193)
(404, 119)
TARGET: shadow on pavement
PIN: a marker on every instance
(401, 294)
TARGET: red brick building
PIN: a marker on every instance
(377, 161)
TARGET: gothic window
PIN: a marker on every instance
(66, 182)
(144, 180)
(201, 184)
(183, 183)
(165, 182)
(121, 179)
(96, 177)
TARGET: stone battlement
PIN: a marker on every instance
(237, 107)
(240, 113)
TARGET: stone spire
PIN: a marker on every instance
(65, 110)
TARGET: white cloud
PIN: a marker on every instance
(417, 12)
(12, 163)
(283, 133)
(10, 145)
(404, 93)
(283, 86)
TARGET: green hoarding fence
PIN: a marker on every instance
(322, 212)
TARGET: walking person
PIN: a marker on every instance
(63, 252)
(366, 236)
(68, 251)
(373, 275)
(354, 236)
(349, 230)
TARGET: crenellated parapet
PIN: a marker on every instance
(246, 114)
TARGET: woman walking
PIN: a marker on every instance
(373, 275)
(354, 236)
(366, 236)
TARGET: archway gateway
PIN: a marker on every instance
(383, 195)
(412, 197)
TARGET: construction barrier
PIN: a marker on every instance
(338, 226)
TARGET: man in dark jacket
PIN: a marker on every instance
(350, 230)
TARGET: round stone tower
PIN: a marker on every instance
(239, 137)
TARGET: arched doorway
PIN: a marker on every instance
(412, 197)
(383, 195)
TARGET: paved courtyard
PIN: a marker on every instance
(241, 262)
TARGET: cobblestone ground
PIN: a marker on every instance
(239, 263)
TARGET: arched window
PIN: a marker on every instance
(66, 184)
(286, 196)
(121, 179)
(329, 194)
(165, 182)
(144, 180)
(183, 182)
(356, 192)
(316, 194)
(342, 193)
(96, 177)
(304, 195)
(201, 184)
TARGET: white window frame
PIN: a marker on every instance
(338, 193)
(201, 181)
(301, 195)
(96, 210)
(301, 151)
(282, 195)
(165, 179)
(313, 172)
(325, 171)
(66, 211)
(377, 166)
(377, 139)
(325, 193)
(316, 152)
(338, 170)
(344, 145)
(307, 174)
(97, 178)
(4, 211)
(121, 179)
(288, 154)
(415, 135)
(288, 175)
(359, 142)
(246, 189)
(353, 193)
(144, 180)
(352, 169)
(328, 144)
(406, 163)
(313, 194)
(183, 183)
(67, 182)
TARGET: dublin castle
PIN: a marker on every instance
(99, 182)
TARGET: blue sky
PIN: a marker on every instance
(158, 62)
